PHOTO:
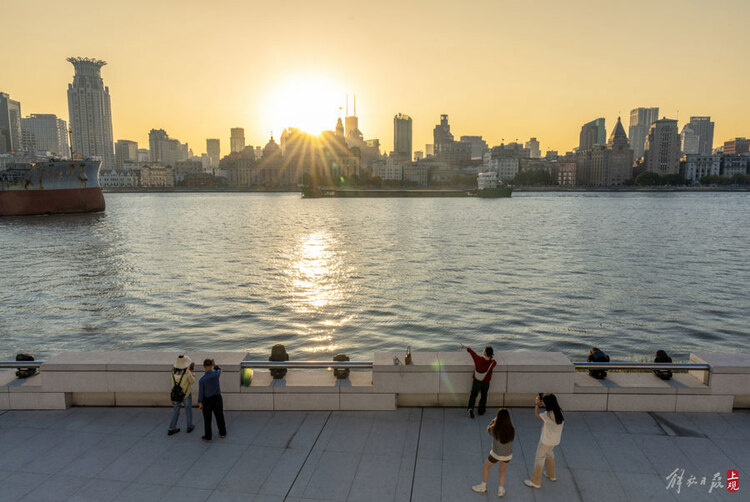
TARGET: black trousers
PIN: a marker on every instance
(215, 405)
(478, 387)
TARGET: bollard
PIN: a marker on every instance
(25, 372)
(341, 373)
(278, 353)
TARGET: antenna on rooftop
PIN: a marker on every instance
(347, 104)
(355, 105)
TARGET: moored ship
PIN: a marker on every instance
(487, 186)
(51, 187)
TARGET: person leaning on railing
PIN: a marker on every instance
(483, 366)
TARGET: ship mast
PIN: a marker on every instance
(70, 137)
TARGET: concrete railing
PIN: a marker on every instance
(433, 379)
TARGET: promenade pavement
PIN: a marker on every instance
(430, 454)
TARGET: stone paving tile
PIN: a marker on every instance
(98, 490)
(645, 487)
(622, 453)
(333, 476)
(251, 470)
(18, 484)
(639, 423)
(73, 445)
(134, 461)
(173, 462)
(410, 454)
(183, 494)
(142, 492)
(96, 459)
(592, 486)
(55, 488)
(211, 467)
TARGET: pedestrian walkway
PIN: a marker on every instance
(430, 454)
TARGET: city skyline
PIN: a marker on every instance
(247, 81)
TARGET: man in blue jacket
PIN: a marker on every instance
(209, 399)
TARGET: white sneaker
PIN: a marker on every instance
(530, 484)
(501, 491)
(480, 488)
(548, 477)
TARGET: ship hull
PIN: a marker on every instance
(494, 193)
(71, 200)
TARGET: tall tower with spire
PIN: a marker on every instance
(90, 112)
(352, 132)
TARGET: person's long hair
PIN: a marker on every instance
(503, 430)
(550, 403)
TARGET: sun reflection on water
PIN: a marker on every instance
(318, 286)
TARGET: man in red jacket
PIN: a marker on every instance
(480, 384)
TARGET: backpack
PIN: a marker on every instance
(177, 395)
(663, 357)
(597, 356)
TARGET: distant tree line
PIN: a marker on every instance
(737, 179)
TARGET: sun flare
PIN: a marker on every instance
(308, 102)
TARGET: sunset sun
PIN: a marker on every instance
(307, 102)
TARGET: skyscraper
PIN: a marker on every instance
(354, 136)
(478, 146)
(690, 140)
(533, 146)
(704, 128)
(213, 148)
(90, 112)
(592, 133)
(10, 124)
(402, 135)
(640, 122)
(49, 133)
(155, 139)
(125, 151)
(662, 152)
(237, 139)
(442, 136)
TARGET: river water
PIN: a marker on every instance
(630, 273)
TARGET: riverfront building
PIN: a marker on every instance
(125, 151)
(402, 127)
(213, 148)
(698, 166)
(90, 112)
(46, 132)
(10, 124)
(736, 146)
(592, 133)
(640, 122)
(237, 139)
(704, 129)
(532, 146)
(478, 146)
(662, 153)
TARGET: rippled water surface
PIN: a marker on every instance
(627, 272)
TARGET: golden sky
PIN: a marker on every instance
(499, 68)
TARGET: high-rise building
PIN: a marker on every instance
(640, 122)
(442, 136)
(690, 140)
(166, 150)
(48, 133)
(155, 138)
(736, 146)
(662, 152)
(11, 138)
(213, 148)
(125, 151)
(354, 136)
(533, 146)
(90, 112)
(478, 146)
(592, 133)
(402, 135)
(237, 139)
(143, 155)
(704, 128)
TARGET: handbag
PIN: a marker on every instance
(480, 376)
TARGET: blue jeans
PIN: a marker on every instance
(188, 412)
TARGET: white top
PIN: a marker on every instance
(551, 430)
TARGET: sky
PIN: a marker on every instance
(502, 69)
